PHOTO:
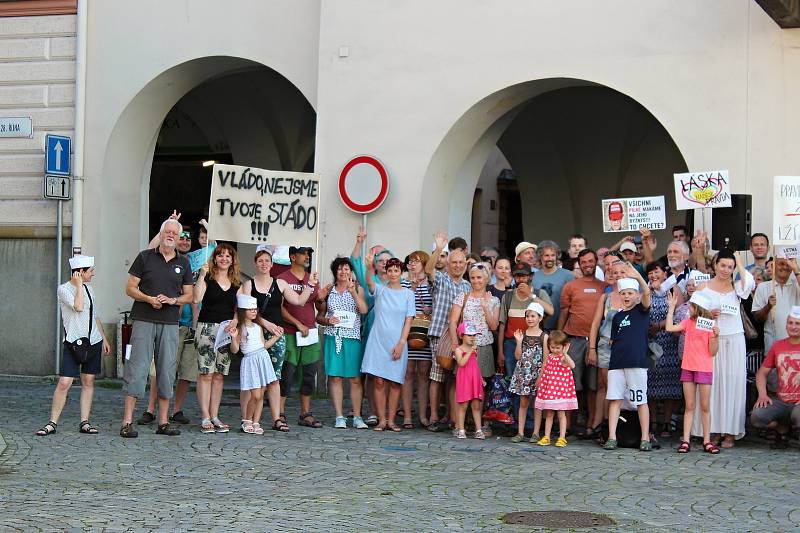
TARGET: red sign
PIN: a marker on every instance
(363, 184)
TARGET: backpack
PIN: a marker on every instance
(629, 433)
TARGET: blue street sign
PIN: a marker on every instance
(56, 160)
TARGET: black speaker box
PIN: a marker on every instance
(731, 226)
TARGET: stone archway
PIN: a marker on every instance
(507, 119)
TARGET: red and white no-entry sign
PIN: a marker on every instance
(363, 184)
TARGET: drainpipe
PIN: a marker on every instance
(80, 120)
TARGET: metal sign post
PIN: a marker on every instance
(59, 238)
(56, 186)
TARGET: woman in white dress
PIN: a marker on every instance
(729, 386)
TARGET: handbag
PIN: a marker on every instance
(750, 331)
(81, 347)
(444, 350)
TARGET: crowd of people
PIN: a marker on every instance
(578, 337)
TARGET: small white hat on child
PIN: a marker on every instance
(701, 300)
(627, 283)
(536, 308)
(81, 261)
(795, 312)
(245, 301)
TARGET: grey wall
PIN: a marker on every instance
(27, 312)
(573, 147)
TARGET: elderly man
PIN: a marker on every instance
(783, 412)
(186, 356)
(160, 282)
(551, 278)
(446, 286)
(759, 247)
(775, 299)
(677, 258)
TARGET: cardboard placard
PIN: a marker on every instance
(254, 205)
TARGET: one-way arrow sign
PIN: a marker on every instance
(57, 150)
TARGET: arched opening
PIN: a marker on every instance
(253, 117)
(535, 160)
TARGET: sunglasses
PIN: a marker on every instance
(488, 257)
(186, 235)
(478, 265)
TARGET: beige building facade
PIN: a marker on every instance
(580, 102)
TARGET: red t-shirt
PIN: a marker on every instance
(306, 314)
(785, 358)
(696, 354)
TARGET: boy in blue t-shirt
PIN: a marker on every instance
(627, 369)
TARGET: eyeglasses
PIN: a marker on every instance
(413, 261)
(186, 235)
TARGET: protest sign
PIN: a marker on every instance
(253, 205)
(786, 252)
(695, 190)
(705, 324)
(786, 210)
(631, 214)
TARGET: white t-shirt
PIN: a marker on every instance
(77, 324)
(786, 295)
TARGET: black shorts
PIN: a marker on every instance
(70, 368)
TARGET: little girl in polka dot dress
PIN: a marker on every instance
(556, 388)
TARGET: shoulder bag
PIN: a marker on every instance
(444, 350)
(81, 348)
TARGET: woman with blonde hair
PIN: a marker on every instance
(216, 287)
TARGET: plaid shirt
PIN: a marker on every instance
(444, 292)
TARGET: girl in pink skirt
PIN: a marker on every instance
(469, 383)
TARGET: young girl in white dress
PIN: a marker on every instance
(256, 373)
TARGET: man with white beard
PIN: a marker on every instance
(677, 259)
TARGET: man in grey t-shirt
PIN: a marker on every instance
(551, 278)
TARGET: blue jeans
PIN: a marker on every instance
(509, 345)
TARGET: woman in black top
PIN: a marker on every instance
(216, 288)
(269, 292)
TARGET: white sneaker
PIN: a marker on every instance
(359, 423)
(341, 423)
(460, 434)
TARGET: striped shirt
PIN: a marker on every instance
(445, 291)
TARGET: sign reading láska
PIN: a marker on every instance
(252, 205)
(786, 210)
(695, 190)
(632, 214)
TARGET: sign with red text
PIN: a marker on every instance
(254, 205)
(632, 214)
(786, 210)
(697, 190)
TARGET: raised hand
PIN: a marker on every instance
(440, 238)
(77, 278)
(313, 279)
(672, 300)
(361, 236)
(519, 335)
(175, 215)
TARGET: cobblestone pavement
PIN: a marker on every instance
(337, 480)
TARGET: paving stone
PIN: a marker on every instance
(358, 480)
